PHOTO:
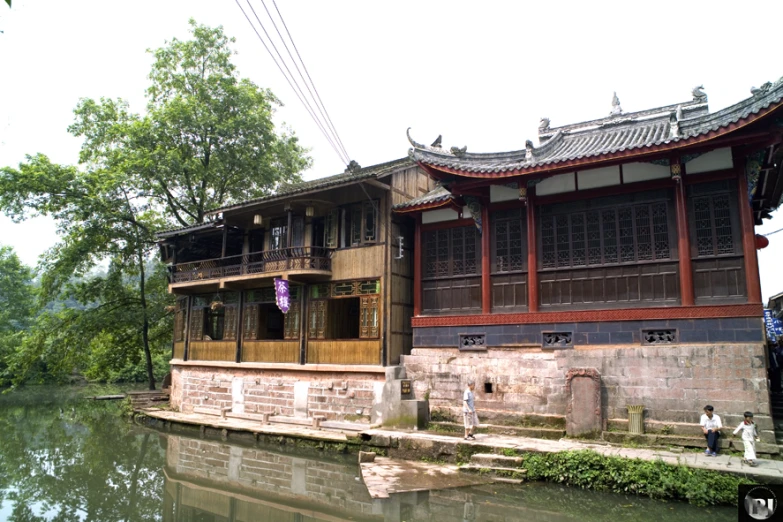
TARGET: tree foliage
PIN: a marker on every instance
(206, 139)
(16, 305)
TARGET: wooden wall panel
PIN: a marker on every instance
(450, 295)
(212, 351)
(719, 279)
(358, 263)
(179, 350)
(344, 352)
(642, 284)
(509, 292)
(270, 351)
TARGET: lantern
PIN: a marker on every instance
(761, 242)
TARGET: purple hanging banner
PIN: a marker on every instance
(282, 297)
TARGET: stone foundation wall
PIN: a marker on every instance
(336, 396)
(673, 382)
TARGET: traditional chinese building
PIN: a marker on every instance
(348, 266)
(622, 245)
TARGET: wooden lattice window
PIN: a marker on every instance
(713, 225)
(179, 319)
(197, 324)
(330, 228)
(368, 317)
(317, 329)
(291, 324)
(625, 234)
(370, 222)
(508, 236)
(250, 322)
(229, 332)
(452, 252)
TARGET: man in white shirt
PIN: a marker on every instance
(469, 410)
(711, 426)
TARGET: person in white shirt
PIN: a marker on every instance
(469, 410)
(749, 437)
(711, 426)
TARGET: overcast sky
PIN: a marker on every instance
(480, 73)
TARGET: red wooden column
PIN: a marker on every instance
(417, 268)
(486, 282)
(532, 254)
(748, 240)
(683, 240)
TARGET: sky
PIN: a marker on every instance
(482, 74)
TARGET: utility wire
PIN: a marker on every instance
(774, 232)
(317, 97)
(303, 98)
(309, 110)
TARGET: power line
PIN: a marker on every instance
(303, 98)
(317, 95)
(309, 110)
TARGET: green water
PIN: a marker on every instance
(64, 458)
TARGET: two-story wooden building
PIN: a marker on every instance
(349, 268)
(623, 244)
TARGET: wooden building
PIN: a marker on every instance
(623, 244)
(349, 267)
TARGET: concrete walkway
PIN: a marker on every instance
(416, 444)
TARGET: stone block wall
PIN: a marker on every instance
(336, 396)
(674, 382)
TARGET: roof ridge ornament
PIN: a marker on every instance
(761, 91)
(698, 94)
(616, 109)
(353, 167)
(543, 126)
(674, 122)
(415, 144)
(459, 152)
(529, 148)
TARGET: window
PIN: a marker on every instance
(713, 225)
(509, 250)
(214, 317)
(359, 224)
(452, 252)
(345, 310)
(263, 320)
(330, 228)
(279, 234)
(623, 234)
(179, 319)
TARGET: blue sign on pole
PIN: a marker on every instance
(773, 324)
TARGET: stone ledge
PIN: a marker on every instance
(647, 439)
(348, 368)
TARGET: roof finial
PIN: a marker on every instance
(544, 125)
(616, 109)
(529, 150)
(437, 141)
(698, 94)
(353, 167)
(760, 91)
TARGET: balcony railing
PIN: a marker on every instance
(293, 258)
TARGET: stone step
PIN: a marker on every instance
(497, 429)
(495, 471)
(651, 439)
(491, 460)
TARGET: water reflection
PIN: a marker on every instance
(63, 458)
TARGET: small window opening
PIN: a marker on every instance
(487, 387)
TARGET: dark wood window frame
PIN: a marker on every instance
(251, 318)
(367, 291)
(451, 268)
(214, 323)
(358, 225)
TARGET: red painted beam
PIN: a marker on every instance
(532, 253)
(687, 297)
(591, 316)
(752, 279)
(486, 282)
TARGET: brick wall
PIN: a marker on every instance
(673, 382)
(333, 395)
(332, 485)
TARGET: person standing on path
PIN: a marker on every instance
(711, 426)
(469, 410)
(749, 437)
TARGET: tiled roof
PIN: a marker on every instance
(347, 177)
(373, 171)
(619, 133)
(434, 198)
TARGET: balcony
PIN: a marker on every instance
(297, 260)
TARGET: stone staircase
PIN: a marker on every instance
(499, 467)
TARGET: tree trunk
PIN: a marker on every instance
(145, 337)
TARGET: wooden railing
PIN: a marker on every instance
(293, 258)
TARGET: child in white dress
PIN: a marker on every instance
(749, 437)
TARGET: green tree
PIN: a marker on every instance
(16, 304)
(207, 139)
